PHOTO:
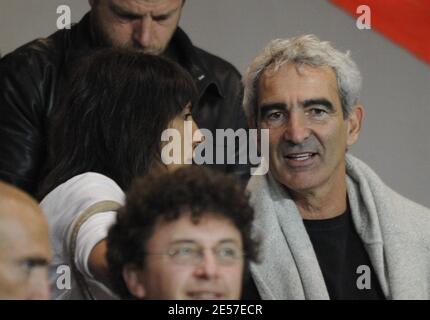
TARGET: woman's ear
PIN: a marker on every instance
(355, 120)
(133, 280)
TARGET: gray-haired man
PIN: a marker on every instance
(333, 228)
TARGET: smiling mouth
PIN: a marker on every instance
(300, 157)
(204, 295)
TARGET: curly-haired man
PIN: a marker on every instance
(182, 235)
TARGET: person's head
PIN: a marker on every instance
(182, 235)
(306, 93)
(147, 25)
(24, 247)
(118, 104)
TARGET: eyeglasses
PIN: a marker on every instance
(193, 254)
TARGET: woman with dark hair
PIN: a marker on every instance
(107, 132)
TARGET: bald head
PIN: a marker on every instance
(24, 246)
(13, 198)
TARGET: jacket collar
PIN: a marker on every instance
(189, 58)
(81, 36)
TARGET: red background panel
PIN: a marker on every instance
(406, 22)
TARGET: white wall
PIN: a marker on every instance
(396, 92)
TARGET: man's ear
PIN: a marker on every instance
(355, 120)
(132, 279)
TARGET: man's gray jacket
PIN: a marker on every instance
(395, 232)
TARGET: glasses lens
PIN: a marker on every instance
(187, 254)
(192, 254)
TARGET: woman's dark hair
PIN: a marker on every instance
(196, 190)
(111, 120)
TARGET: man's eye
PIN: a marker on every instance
(184, 252)
(276, 116)
(128, 17)
(28, 265)
(161, 18)
(317, 112)
(228, 252)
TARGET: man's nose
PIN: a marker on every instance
(39, 286)
(208, 268)
(143, 31)
(297, 129)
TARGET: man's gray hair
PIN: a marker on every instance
(309, 50)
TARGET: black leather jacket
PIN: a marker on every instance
(33, 77)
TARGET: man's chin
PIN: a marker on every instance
(205, 296)
(299, 182)
(151, 51)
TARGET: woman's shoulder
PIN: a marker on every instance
(89, 187)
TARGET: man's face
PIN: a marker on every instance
(308, 134)
(24, 255)
(147, 25)
(204, 261)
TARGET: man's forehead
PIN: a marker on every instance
(209, 228)
(277, 72)
(24, 237)
(297, 78)
(16, 202)
(143, 6)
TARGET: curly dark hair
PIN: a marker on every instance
(195, 190)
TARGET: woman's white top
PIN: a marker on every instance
(62, 207)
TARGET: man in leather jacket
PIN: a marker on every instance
(33, 77)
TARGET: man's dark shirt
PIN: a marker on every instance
(340, 253)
